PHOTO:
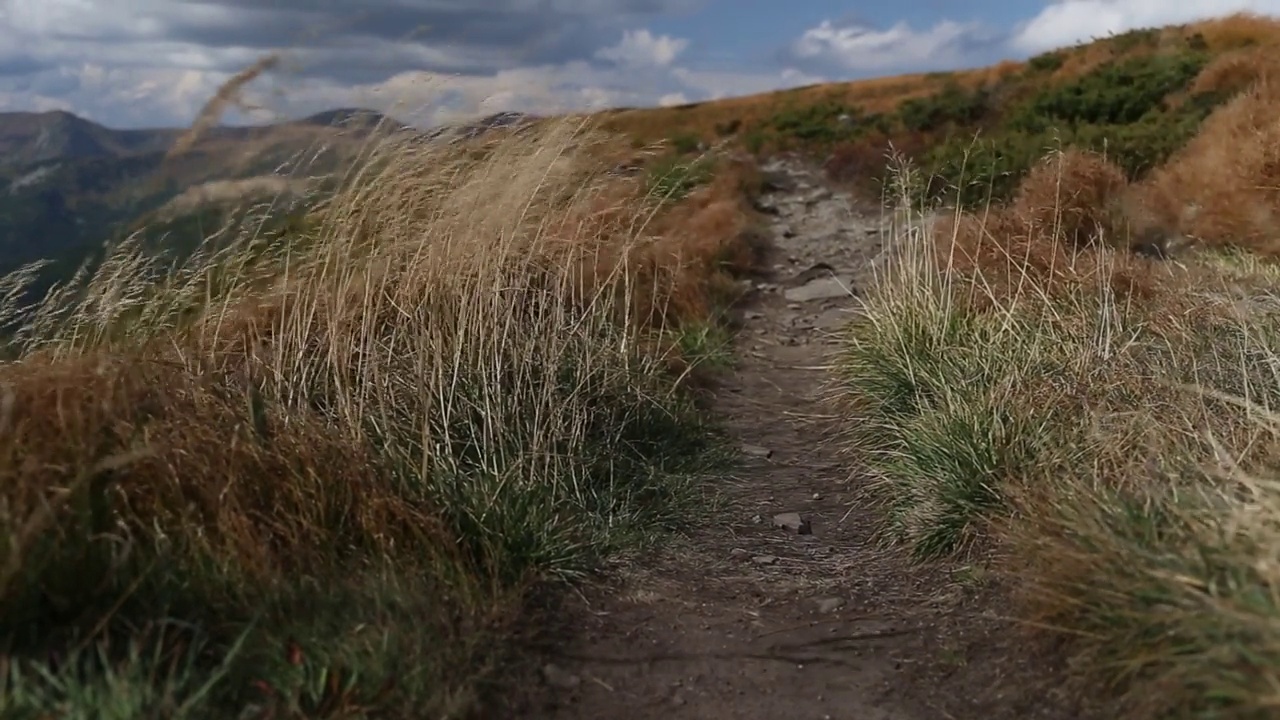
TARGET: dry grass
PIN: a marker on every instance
(1223, 188)
(418, 402)
(1112, 452)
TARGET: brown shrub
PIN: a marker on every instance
(1057, 236)
(1072, 195)
(1223, 188)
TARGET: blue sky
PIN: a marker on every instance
(131, 63)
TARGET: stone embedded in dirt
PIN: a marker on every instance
(559, 678)
(794, 522)
(756, 451)
(828, 605)
(820, 289)
(765, 559)
(738, 553)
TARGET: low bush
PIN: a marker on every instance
(953, 105)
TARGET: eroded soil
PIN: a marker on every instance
(745, 619)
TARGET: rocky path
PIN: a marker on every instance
(781, 606)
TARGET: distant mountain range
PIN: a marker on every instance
(67, 184)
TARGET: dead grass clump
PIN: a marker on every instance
(1073, 195)
(1223, 188)
(1057, 237)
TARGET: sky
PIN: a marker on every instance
(150, 63)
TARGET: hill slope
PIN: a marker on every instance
(1137, 96)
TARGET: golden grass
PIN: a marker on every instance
(418, 400)
(1223, 188)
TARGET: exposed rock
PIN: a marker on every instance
(559, 678)
(794, 522)
(828, 605)
(820, 289)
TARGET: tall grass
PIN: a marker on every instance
(1103, 423)
(317, 477)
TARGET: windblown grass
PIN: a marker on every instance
(318, 476)
(1103, 423)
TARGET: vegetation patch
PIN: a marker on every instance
(319, 472)
(1095, 426)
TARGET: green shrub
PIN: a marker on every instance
(671, 179)
(1047, 62)
(819, 123)
(1114, 94)
(953, 105)
(731, 127)
(685, 143)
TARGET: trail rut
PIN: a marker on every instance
(744, 619)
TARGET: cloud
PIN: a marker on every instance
(900, 48)
(1069, 22)
(132, 62)
(640, 47)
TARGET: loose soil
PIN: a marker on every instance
(743, 619)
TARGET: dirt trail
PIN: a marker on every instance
(744, 619)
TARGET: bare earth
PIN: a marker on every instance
(743, 619)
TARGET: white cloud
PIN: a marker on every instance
(671, 99)
(640, 48)
(1068, 22)
(859, 48)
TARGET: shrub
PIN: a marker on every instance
(1046, 62)
(731, 127)
(953, 105)
(673, 179)
(820, 122)
(686, 143)
(1114, 94)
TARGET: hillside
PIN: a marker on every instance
(974, 133)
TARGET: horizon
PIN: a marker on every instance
(154, 63)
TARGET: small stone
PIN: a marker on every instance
(560, 678)
(765, 559)
(828, 605)
(757, 451)
(821, 289)
(738, 553)
(817, 496)
(792, 521)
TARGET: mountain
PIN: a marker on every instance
(30, 138)
(67, 184)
